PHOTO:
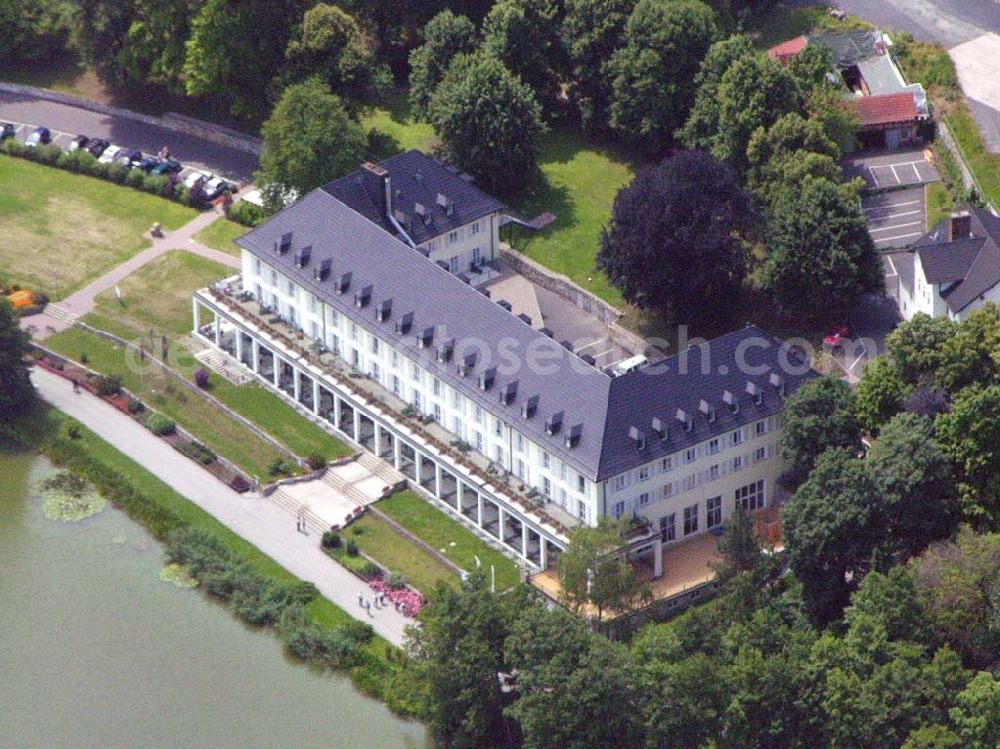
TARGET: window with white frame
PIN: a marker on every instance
(667, 491)
(691, 455)
(474, 228)
(478, 413)
(690, 482)
(713, 446)
(436, 385)
(668, 527)
(519, 442)
(667, 463)
(618, 509)
(713, 512)
(581, 483)
(738, 463)
(414, 372)
(546, 486)
(713, 472)
(581, 510)
(453, 237)
(643, 473)
(690, 520)
(644, 499)
(618, 482)
(498, 427)
(760, 428)
(761, 453)
(479, 441)
(545, 459)
(354, 332)
(738, 437)
(437, 412)
(498, 454)
(751, 496)
(457, 427)
(374, 346)
(395, 384)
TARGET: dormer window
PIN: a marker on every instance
(445, 350)
(302, 256)
(362, 297)
(529, 407)
(384, 310)
(321, 271)
(637, 437)
(707, 411)
(283, 244)
(554, 423)
(731, 402)
(343, 283)
(425, 336)
(778, 382)
(685, 420)
(659, 428)
(508, 392)
(404, 323)
(486, 378)
(755, 392)
(467, 364)
(573, 435)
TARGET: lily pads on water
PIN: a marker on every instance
(67, 497)
(179, 575)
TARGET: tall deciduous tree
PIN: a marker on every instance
(524, 35)
(594, 571)
(829, 532)
(488, 120)
(457, 656)
(653, 74)
(703, 122)
(918, 347)
(818, 416)
(330, 43)
(673, 243)
(15, 386)
(592, 31)
(754, 92)
(976, 714)
(309, 139)
(34, 29)
(880, 394)
(445, 37)
(819, 257)
(789, 139)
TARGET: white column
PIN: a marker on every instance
(418, 466)
(315, 383)
(196, 311)
(501, 524)
(459, 493)
(357, 425)
(378, 440)
(297, 384)
(218, 331)
(479, 509)
(543, 552)
(239, 346)
(336, 410)
(255, 353)
(658, 558)
(396, 456)
(437, 480)
(276, 374)
(524, 539)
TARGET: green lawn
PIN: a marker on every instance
(228, 438)
(779, 21)
(156, 296)
(379, 541)
(940, 203)
(219, 235)
(62, 230)
(398, 130)
(984, 165)
(450, 538)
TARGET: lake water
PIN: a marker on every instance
(96, 651)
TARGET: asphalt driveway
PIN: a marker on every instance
(895, 219)
(191, 151)
(889, 170)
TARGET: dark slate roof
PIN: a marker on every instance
(415, 178)
(605, 408)
(683, 381)
(849, 47)
(971, 265)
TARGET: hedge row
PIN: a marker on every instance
(264, 602)
(82, 162)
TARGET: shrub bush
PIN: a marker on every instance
(239, 484)
(279, 467)
(201, 377)
(73, 431)
(39, 298)
(196, 451)
(135, 178)
(84, 359)
(159, 424)
(331, 540)
(247, 214)
(352, 547)
(108, 385)
(135, 406)
(396, 581)
(316, 461)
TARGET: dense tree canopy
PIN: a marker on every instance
(309, 140)
(488, 120)
(34, 29)
(653, 73)
(673, 243)
(15, 386)
(880, 394)
(772, 152)
(821, 414)
(592, 31)
(819, 257)
(703, 121)
(446, 36)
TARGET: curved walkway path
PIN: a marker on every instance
(60, 315)
(260, 521)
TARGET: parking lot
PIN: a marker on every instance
(895, 219)
(62, 139)
(890, 170)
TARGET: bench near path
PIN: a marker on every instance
(263, 523)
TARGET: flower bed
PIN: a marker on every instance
(406, 600)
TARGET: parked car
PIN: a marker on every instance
(837, 337)
(41, 136)
(96, 147)
(78, 142)
(167, 166)
(130, 157)
(215, 186)
(193, 179)
(7, 131)
(110, 154)
(148, 164)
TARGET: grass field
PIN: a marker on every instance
(156, 296)
(940, 202)
(379, 541)
(219, 235)
(438, 530)
(777, 22)
(398, 130)
(63, 230)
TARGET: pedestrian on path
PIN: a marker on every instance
(361, 599)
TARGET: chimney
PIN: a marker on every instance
(959, 226)
(375, 181)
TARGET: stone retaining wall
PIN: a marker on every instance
(175, 121)
(968, 178)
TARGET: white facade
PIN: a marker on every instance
(467, 247)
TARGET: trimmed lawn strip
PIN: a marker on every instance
(380, 676)
(940, 203)
(984, 165)
(379, 541)
(226, 437)
(77, 228)
(397, 129)
(157, 296)
(219, 235)
(439, 531)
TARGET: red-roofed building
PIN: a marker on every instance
(786, 50)
(886, 121)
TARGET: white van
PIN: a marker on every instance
(629, 365)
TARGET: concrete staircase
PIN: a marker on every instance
(57, 312)
(380, 468)
(297, 509)
(223, 365)
(348, 490)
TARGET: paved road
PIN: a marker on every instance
(948, 22)
(189, 150)
(260, 521)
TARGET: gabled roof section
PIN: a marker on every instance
(884, 110)
(720, 378)
(416, 179)
(782, 52)
(848, 48)
(971, 264)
